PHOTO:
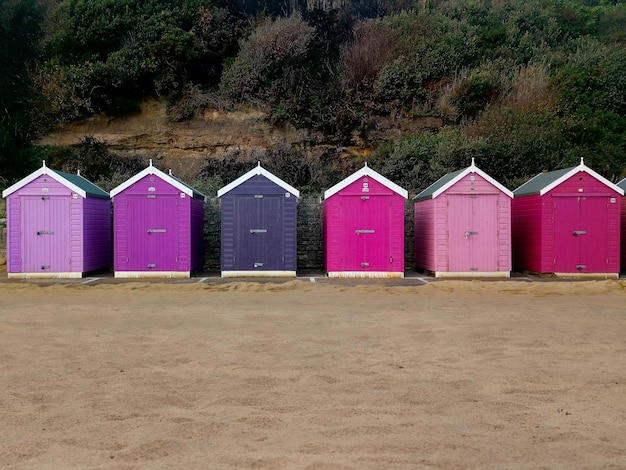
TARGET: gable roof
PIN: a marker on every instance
(258, 170)
(622, 185)
(449, 180)
(545, 182)
(365, 171)
(152, 170)
(74, 183)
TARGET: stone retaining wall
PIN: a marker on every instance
(310, 236)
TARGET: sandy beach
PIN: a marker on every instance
(453, 374)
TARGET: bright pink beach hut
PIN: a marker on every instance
(363, 219)
(157, 226)
(58, 226)
(567, 222)
(622, 186)
(463, 226)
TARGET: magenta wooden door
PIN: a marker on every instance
(581, 234)
(473, 232)
(152, 232)
(46, 234)
(366, 242)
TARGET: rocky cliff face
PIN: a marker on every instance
(183, 146)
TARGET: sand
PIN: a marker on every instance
(454, 374)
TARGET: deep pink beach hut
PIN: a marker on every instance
(463, 226)
(157, 226)
(363, 218)
(567, 222)
(58, 225)
(622, 186)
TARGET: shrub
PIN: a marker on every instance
(275, 45)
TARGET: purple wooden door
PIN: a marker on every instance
(259, 234)
(472, 233)
(45, 234)
(366, 228)
(152, 232)
(581, 234)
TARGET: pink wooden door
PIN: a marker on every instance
(472, 233)
(366, 242)
(594, 242)
(45, 234)
(581, 234)
(152, 232)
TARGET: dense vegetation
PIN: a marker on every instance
(521, 85)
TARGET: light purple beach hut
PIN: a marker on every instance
(259, 215)
(157, 226)
(463, 226)
(58, 226)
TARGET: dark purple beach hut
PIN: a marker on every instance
(157, 226)
(58, 225)
(258, 226)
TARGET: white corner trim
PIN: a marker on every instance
(366, 171)
(367, 274)
(62, 275)
(478, 171)
(585, 169)
(472, 274)
(152, 274)
(152, 170)
(44, 170)
(258, 170)
(258, 274)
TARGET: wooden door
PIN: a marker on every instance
(472, 232)
(46, 242)
(259, 234)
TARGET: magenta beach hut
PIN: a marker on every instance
(463, 226)
(622, 186)
(157, 226)
(567, 222)
(58, 225)
(363, 220)
(259, 216)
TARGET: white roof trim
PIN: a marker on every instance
(258, 170)
(152, 170)
(472, 169)
(44, 170)
(365, 171)
(584, 168)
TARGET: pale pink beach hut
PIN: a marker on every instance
(58, 226)
(463, 226)
(157, 226)
(363, 220)
(567, 222)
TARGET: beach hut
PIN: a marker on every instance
(463, 226)
(363, 220)
(567, 222)
(622, 186)
(58, 225)
(258, 226)
(157, 226)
